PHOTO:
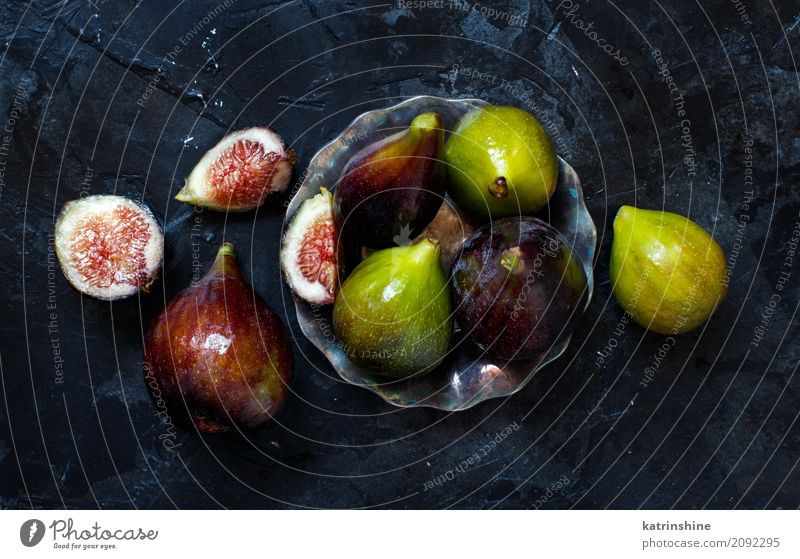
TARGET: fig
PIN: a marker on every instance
(392, 189)
(500, 162)
(666, 271)
(109, 247)
(218, 356)
(238, 173)
(308, 251)
(392, 314)
(517, 287)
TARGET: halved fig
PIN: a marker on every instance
(308, 252)
(240, 172)
(109, 247)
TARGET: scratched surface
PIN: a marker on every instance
(110, 97)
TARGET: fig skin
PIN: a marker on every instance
(392, 315)
(218, 356)
(393, 188)
(500, 162)
(666, 271)
(516, 287)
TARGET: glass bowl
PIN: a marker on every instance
(468, 375)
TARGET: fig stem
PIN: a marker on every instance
(427, 121)
(511, 259)
(224, 266)
(499, 188)
(425, 247)
(184, 195)
(226, 249)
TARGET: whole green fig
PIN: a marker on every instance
(392, 315)
(666, 271)
(500, 162)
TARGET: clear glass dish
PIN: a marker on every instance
(468, 375)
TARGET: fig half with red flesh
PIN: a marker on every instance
(308, 251)
(109, 247)
(240, 172)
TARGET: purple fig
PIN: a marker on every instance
(517, 287)
(391, 190)
(218, 356)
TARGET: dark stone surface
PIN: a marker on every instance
(716, 426)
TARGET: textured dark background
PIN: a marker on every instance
(716, 426)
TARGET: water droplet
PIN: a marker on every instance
(197, 94)
(212, 67)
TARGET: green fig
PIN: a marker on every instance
(500, 162)
(666, 271)
(392, 315)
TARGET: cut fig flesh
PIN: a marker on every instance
(308, 253)
(240, 172)
(109, 247)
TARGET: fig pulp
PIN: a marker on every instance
(240, 172)
(393, 188)
(308, 251)
(392, 314)
(517, 287)
(500, 162)
(109, 247)
(218, 356)
(666, 271)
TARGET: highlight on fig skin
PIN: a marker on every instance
(240, 172)
(308, 251)
(109, 247)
